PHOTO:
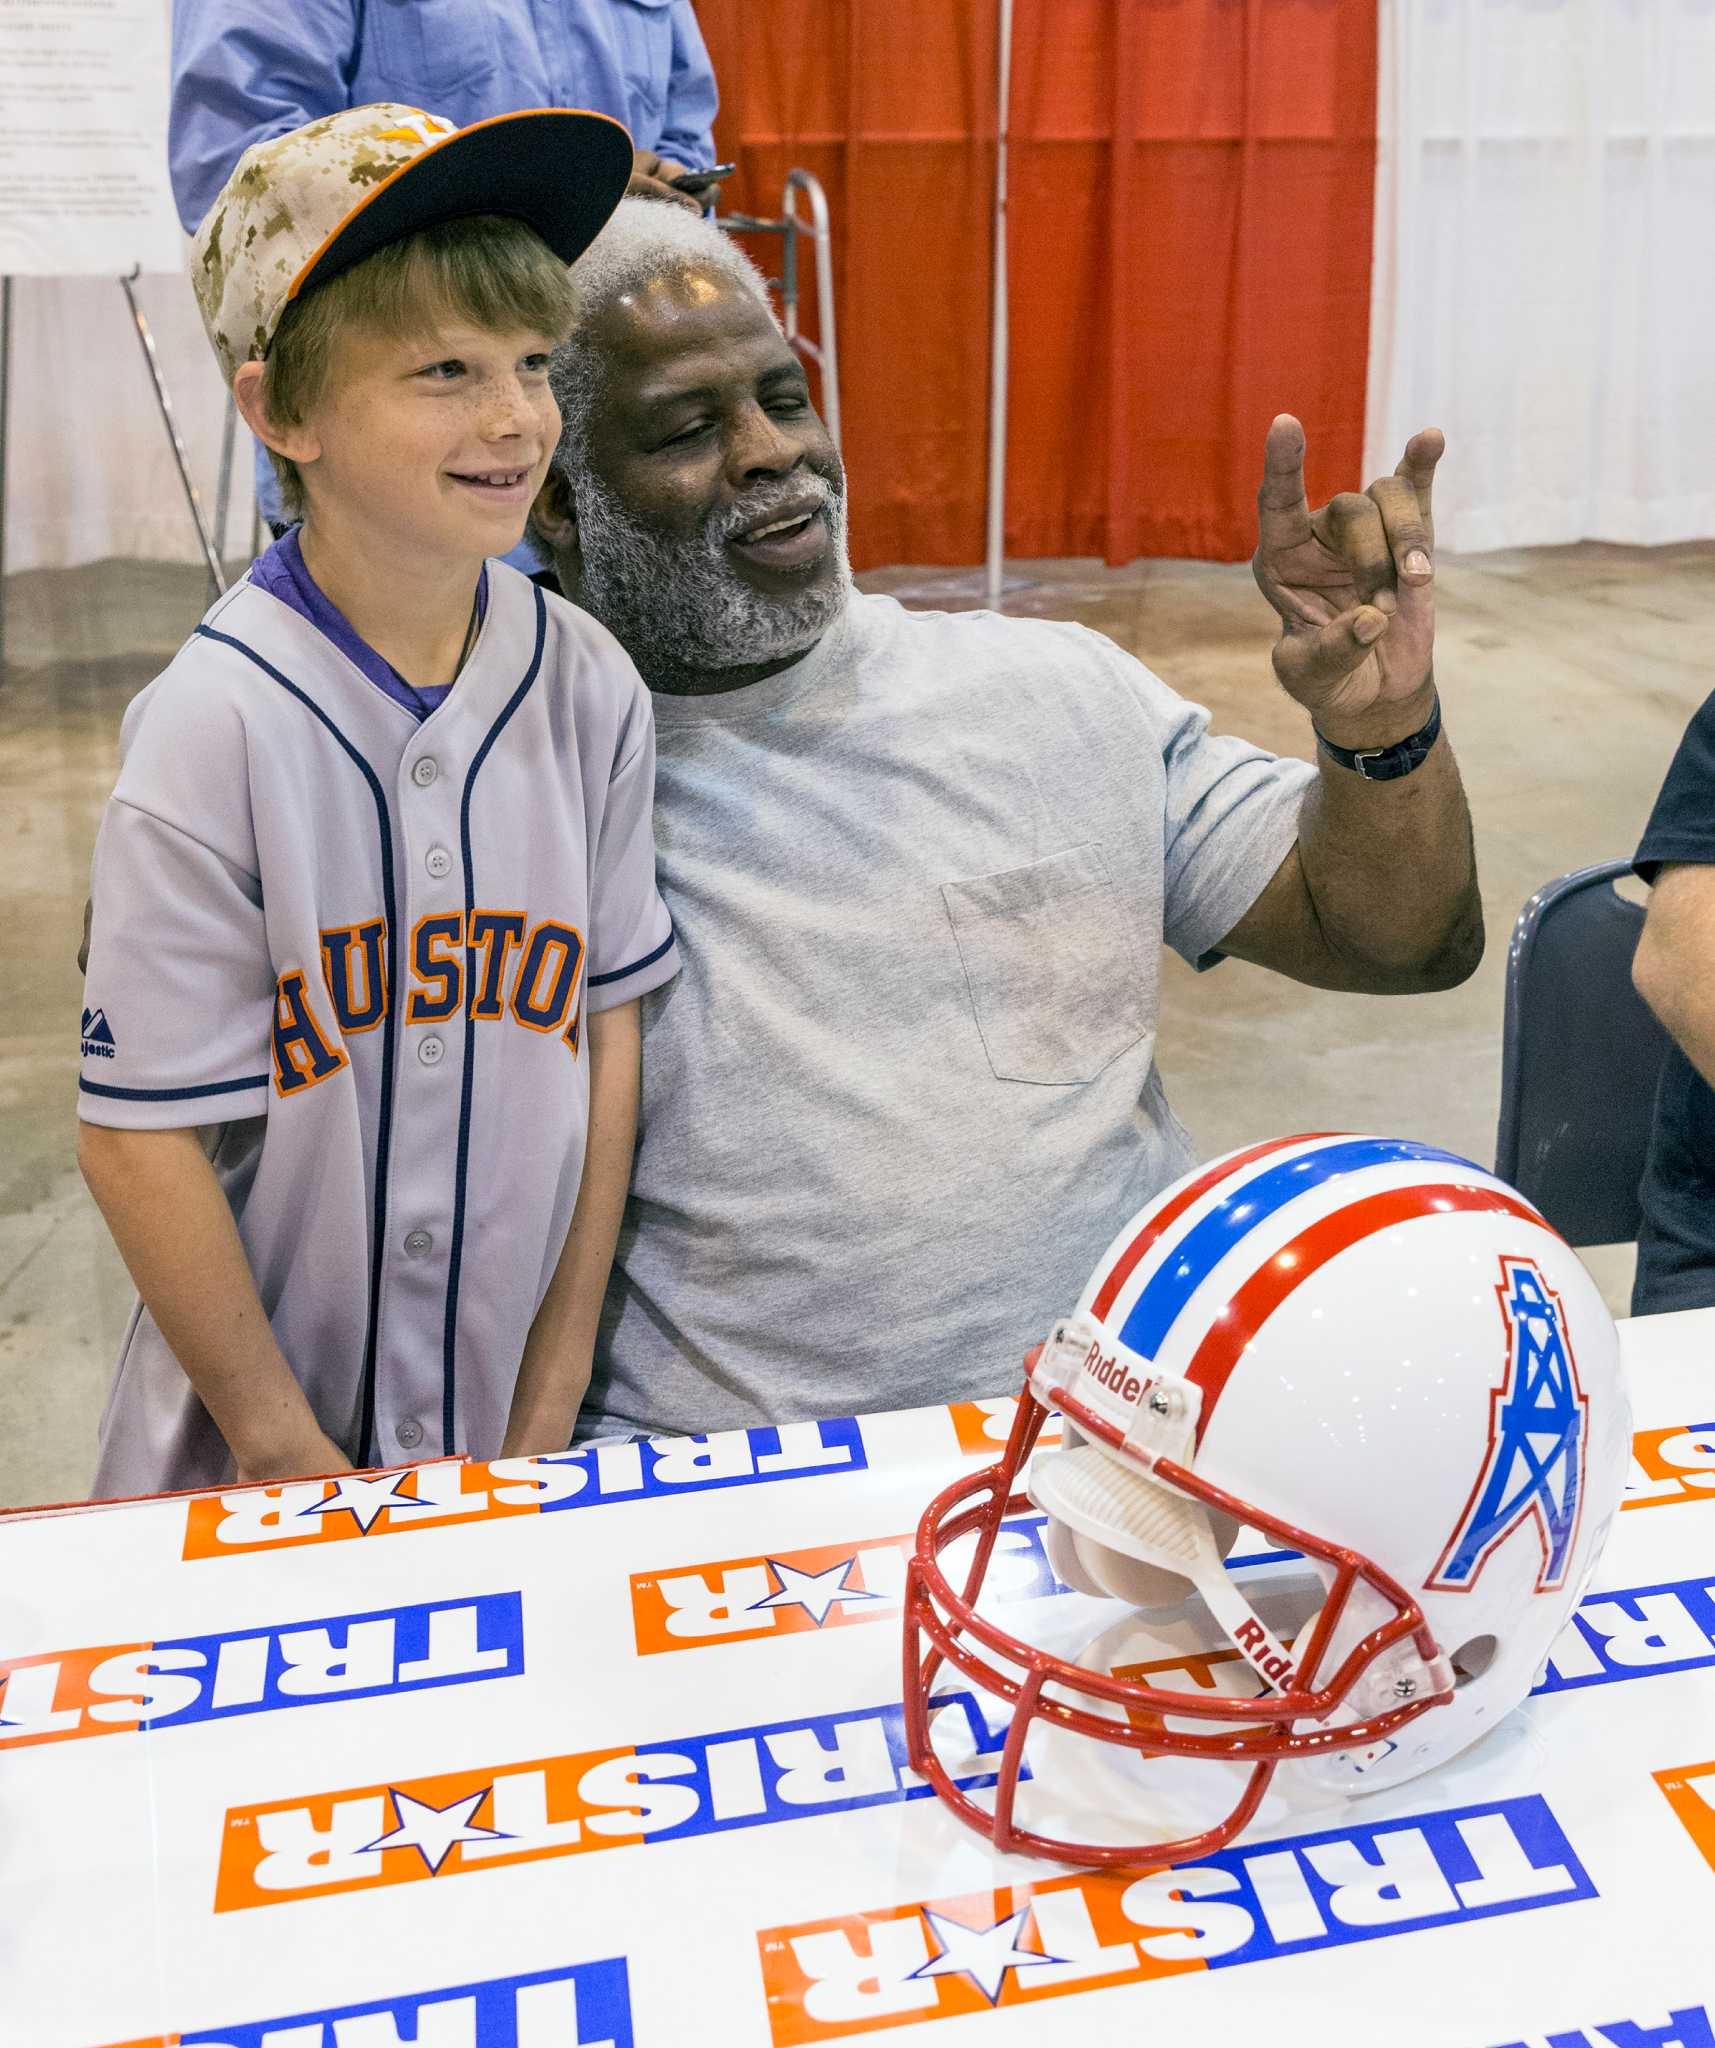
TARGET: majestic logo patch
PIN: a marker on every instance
(1535, 1463)
(97, 1036)
(586, 2006)
(943, 1958)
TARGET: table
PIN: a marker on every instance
(606, 1748)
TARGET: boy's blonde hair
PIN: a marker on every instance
(493, 272)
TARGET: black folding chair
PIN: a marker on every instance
(1580, 1058)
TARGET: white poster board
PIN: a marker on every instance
(83, 139)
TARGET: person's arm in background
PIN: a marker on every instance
(688, 119)
(555, 1372)
(244, 70)
(1674, 966)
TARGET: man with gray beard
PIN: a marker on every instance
(922, 866)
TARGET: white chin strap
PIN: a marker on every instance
(1118, 1533)
(1114, 1532)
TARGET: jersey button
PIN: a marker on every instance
(424, 772)
(409, 1433)
(438, 862)
(417, 1242)
(432, 1050)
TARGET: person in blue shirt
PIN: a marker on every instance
(244, 70)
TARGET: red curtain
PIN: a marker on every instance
(1189, 247)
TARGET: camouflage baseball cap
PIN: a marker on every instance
(301, 208)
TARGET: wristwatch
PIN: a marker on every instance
(1388, 764)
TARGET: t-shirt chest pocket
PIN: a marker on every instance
(1051, 966)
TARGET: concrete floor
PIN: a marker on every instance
(1566, 674)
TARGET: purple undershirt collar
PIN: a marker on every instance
(281, 572)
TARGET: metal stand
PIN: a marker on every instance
(223, 487)
(216, 576)
(825, 353)
(995, 574)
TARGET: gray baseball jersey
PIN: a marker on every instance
(363, 949)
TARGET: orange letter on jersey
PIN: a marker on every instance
(303, 1052)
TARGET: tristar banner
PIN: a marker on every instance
(1690, 1790)
(120, 1687)
(647, 1792)
(712, 1657)
(942, 1958)
(434, 1496)
(1687, 2026)
(1670, 1465)
(586, 2006)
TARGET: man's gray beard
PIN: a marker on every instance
(679, 606)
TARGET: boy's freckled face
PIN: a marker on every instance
(443, 438)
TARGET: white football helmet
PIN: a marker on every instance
(1373, 1352)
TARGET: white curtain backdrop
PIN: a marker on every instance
(89, 470)
(1544, 289)
(1544, 284)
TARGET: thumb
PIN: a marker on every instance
(1310, 664)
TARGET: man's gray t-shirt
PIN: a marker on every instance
(903, 1091)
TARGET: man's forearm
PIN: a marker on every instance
(176, 1234)
(555, 1372)
(1391, 875)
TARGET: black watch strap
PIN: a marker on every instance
(1388, 764)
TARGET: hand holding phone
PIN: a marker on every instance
(702, 181)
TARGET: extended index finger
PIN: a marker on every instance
(1283, 513)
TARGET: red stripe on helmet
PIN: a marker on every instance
(1132, 1257)
(1294, 1263)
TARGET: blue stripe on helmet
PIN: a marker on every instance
(1236, 1215)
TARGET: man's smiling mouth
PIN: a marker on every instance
(797, 538)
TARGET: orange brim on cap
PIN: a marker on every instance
(560, 170)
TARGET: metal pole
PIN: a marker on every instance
(821, 233)
(216, 576)
(996, 558)
(5, 393)
(223, 488)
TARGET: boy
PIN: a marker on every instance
(374, 897)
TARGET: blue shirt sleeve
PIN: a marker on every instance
(687, 128)
(244, 70)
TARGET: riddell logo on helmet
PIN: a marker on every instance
(1106, 1370)
(1263, 1652)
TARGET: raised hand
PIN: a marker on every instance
(1354, 586)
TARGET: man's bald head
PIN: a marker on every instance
(646, 248)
